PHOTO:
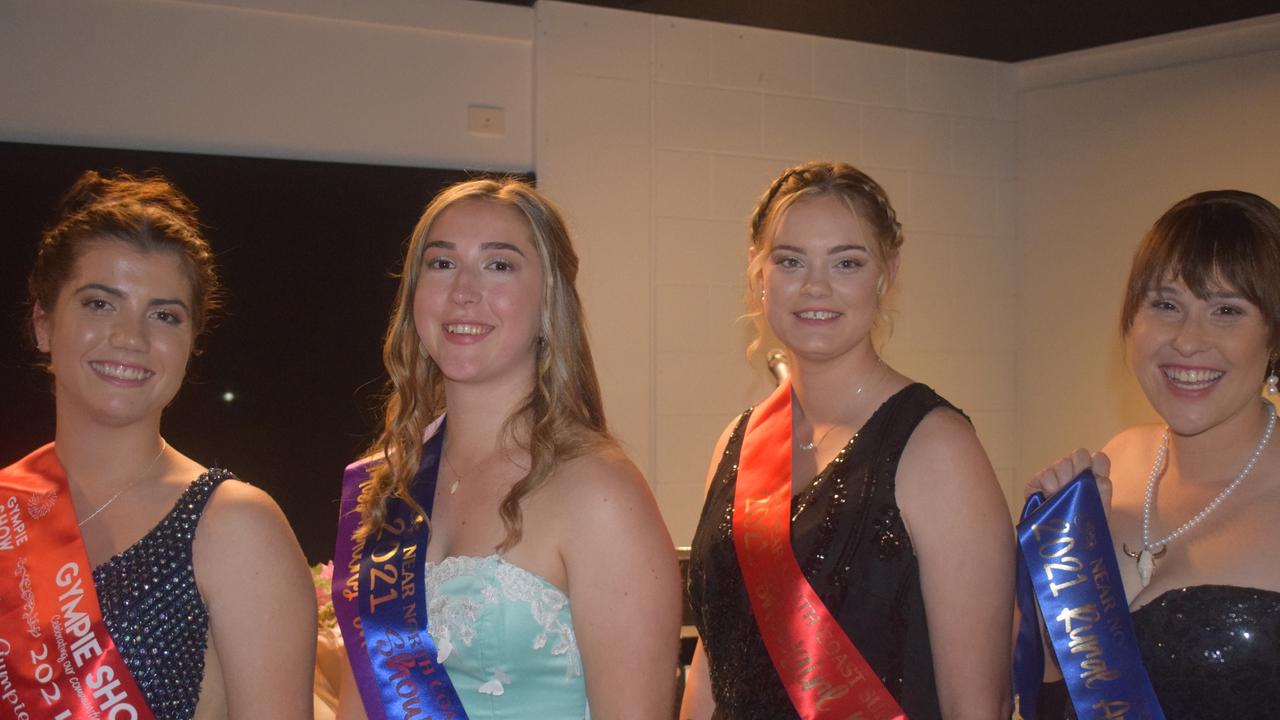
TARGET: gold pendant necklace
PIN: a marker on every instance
(457, 478)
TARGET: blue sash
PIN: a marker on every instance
(1069, 570)
(379, 597)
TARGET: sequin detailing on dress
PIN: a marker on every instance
(153, 609)
(852, 546)
(891, 535)
(1213, 651)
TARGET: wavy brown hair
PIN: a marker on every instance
(864, 197)
(561, 418)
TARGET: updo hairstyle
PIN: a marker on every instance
(864, 197)
(148, 213)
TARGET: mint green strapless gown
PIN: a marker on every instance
(506, 637)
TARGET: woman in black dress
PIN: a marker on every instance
(896, 522)
(1194, 498)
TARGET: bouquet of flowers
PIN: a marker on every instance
(322, 576)
(329, 647)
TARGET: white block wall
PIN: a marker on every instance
(379, 82)
(658, 134)
(1110, 138)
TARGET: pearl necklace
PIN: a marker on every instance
(1153, 550)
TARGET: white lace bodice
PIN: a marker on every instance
(506, 637)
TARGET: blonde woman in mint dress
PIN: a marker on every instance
(549, 581)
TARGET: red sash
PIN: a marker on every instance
(824, 674)
(57, 661)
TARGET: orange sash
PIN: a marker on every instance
(824, 674)
(57, 661)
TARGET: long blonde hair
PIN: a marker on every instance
(564, 412)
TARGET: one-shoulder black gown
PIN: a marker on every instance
(848, 536)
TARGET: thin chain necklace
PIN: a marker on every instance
(457, 477)
(811, 445)
(1152, 550)
(163, 446)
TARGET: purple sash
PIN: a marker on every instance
(379, 597)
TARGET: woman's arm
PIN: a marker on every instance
(699, 703)
(624, 588)
(1060, 474)
(350, 706)
(959, 525)
(1049, 481)
(262, 604)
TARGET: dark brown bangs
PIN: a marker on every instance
(1213, 243)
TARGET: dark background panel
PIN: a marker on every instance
(1007, 30)
(307, 253)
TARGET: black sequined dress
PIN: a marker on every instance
(848, 536)
(153, 609)
(1212, 653)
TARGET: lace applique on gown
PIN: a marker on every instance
(505, 635)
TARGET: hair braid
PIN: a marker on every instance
(864, 197)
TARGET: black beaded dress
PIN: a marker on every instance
(1212, 653)
(848, 536)
(153, 609)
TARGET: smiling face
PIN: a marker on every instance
(822, 280)
(119, 335)
(1200, 361)
(478, 300)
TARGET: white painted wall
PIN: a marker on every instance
(659, 134)
(655, 135)
(1109, 139)
(381, 82)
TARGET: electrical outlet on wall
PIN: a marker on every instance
(486, 120)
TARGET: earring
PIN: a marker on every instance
(1273, 380)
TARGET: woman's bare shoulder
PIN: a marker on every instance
(603, 470)
(1143, 438)
(238, 503)
(242, 520)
